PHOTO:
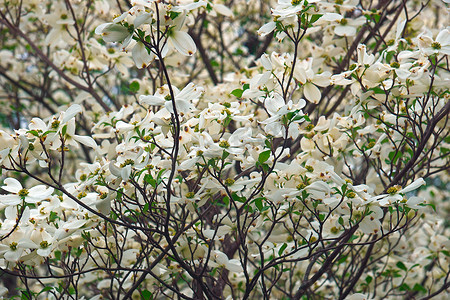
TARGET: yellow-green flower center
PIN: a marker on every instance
(310, 127)
(13, 246)
(23, 192)
(301, 186)
(392, 190)
(229, 181)
(436, 46)
(44, 244)
(55, 124)
(224, 144)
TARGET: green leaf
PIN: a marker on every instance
(34, 132)
(419, 288)
(26, 295)
(134, 87)
(376, 18)
(342, 259)
(149, 179)
(280, 252)
(226, 200)
(404, 287)
(46, 289)
(225, 154)
(264, 156)
(146, 207)
(214, 63)
(258, 203)
(401, 266)
(314, 18)
(53, 216)
(146, 295)
(237, 93)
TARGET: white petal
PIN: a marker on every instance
(40, 191)
(13, 255)
(300, 74)
(312, 93)
(85, 140)
(223, 10)
(267, 28)
(189, 6)
(127, 40)
(71, 112)
(27, 243)
(234, 265)
(44, 252)
(121, 17)
(330, 17)
(125, 172)
(413, 186)
(183, 43)
(144, 18)
(104, 206)
(37, 123)
(443, 37)
(12, 185)
(182, 106)
(115, 33)
(122, 127)
(414, 201)
(151, 100)
(100, 28)
(10, 199)
(114, 169)
(265, 61)
(74, 224)
(141, 56)
(11, 212)
(345, 30)
(399, 30)
(322, 80)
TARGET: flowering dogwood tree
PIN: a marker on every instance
(224, 149)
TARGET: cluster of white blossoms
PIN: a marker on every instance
(304, 173)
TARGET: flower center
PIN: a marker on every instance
(229, 181)
(392, 190)
(44, 244)
(224, 144)
(13, 246)
(436, 46)
(23, 192)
